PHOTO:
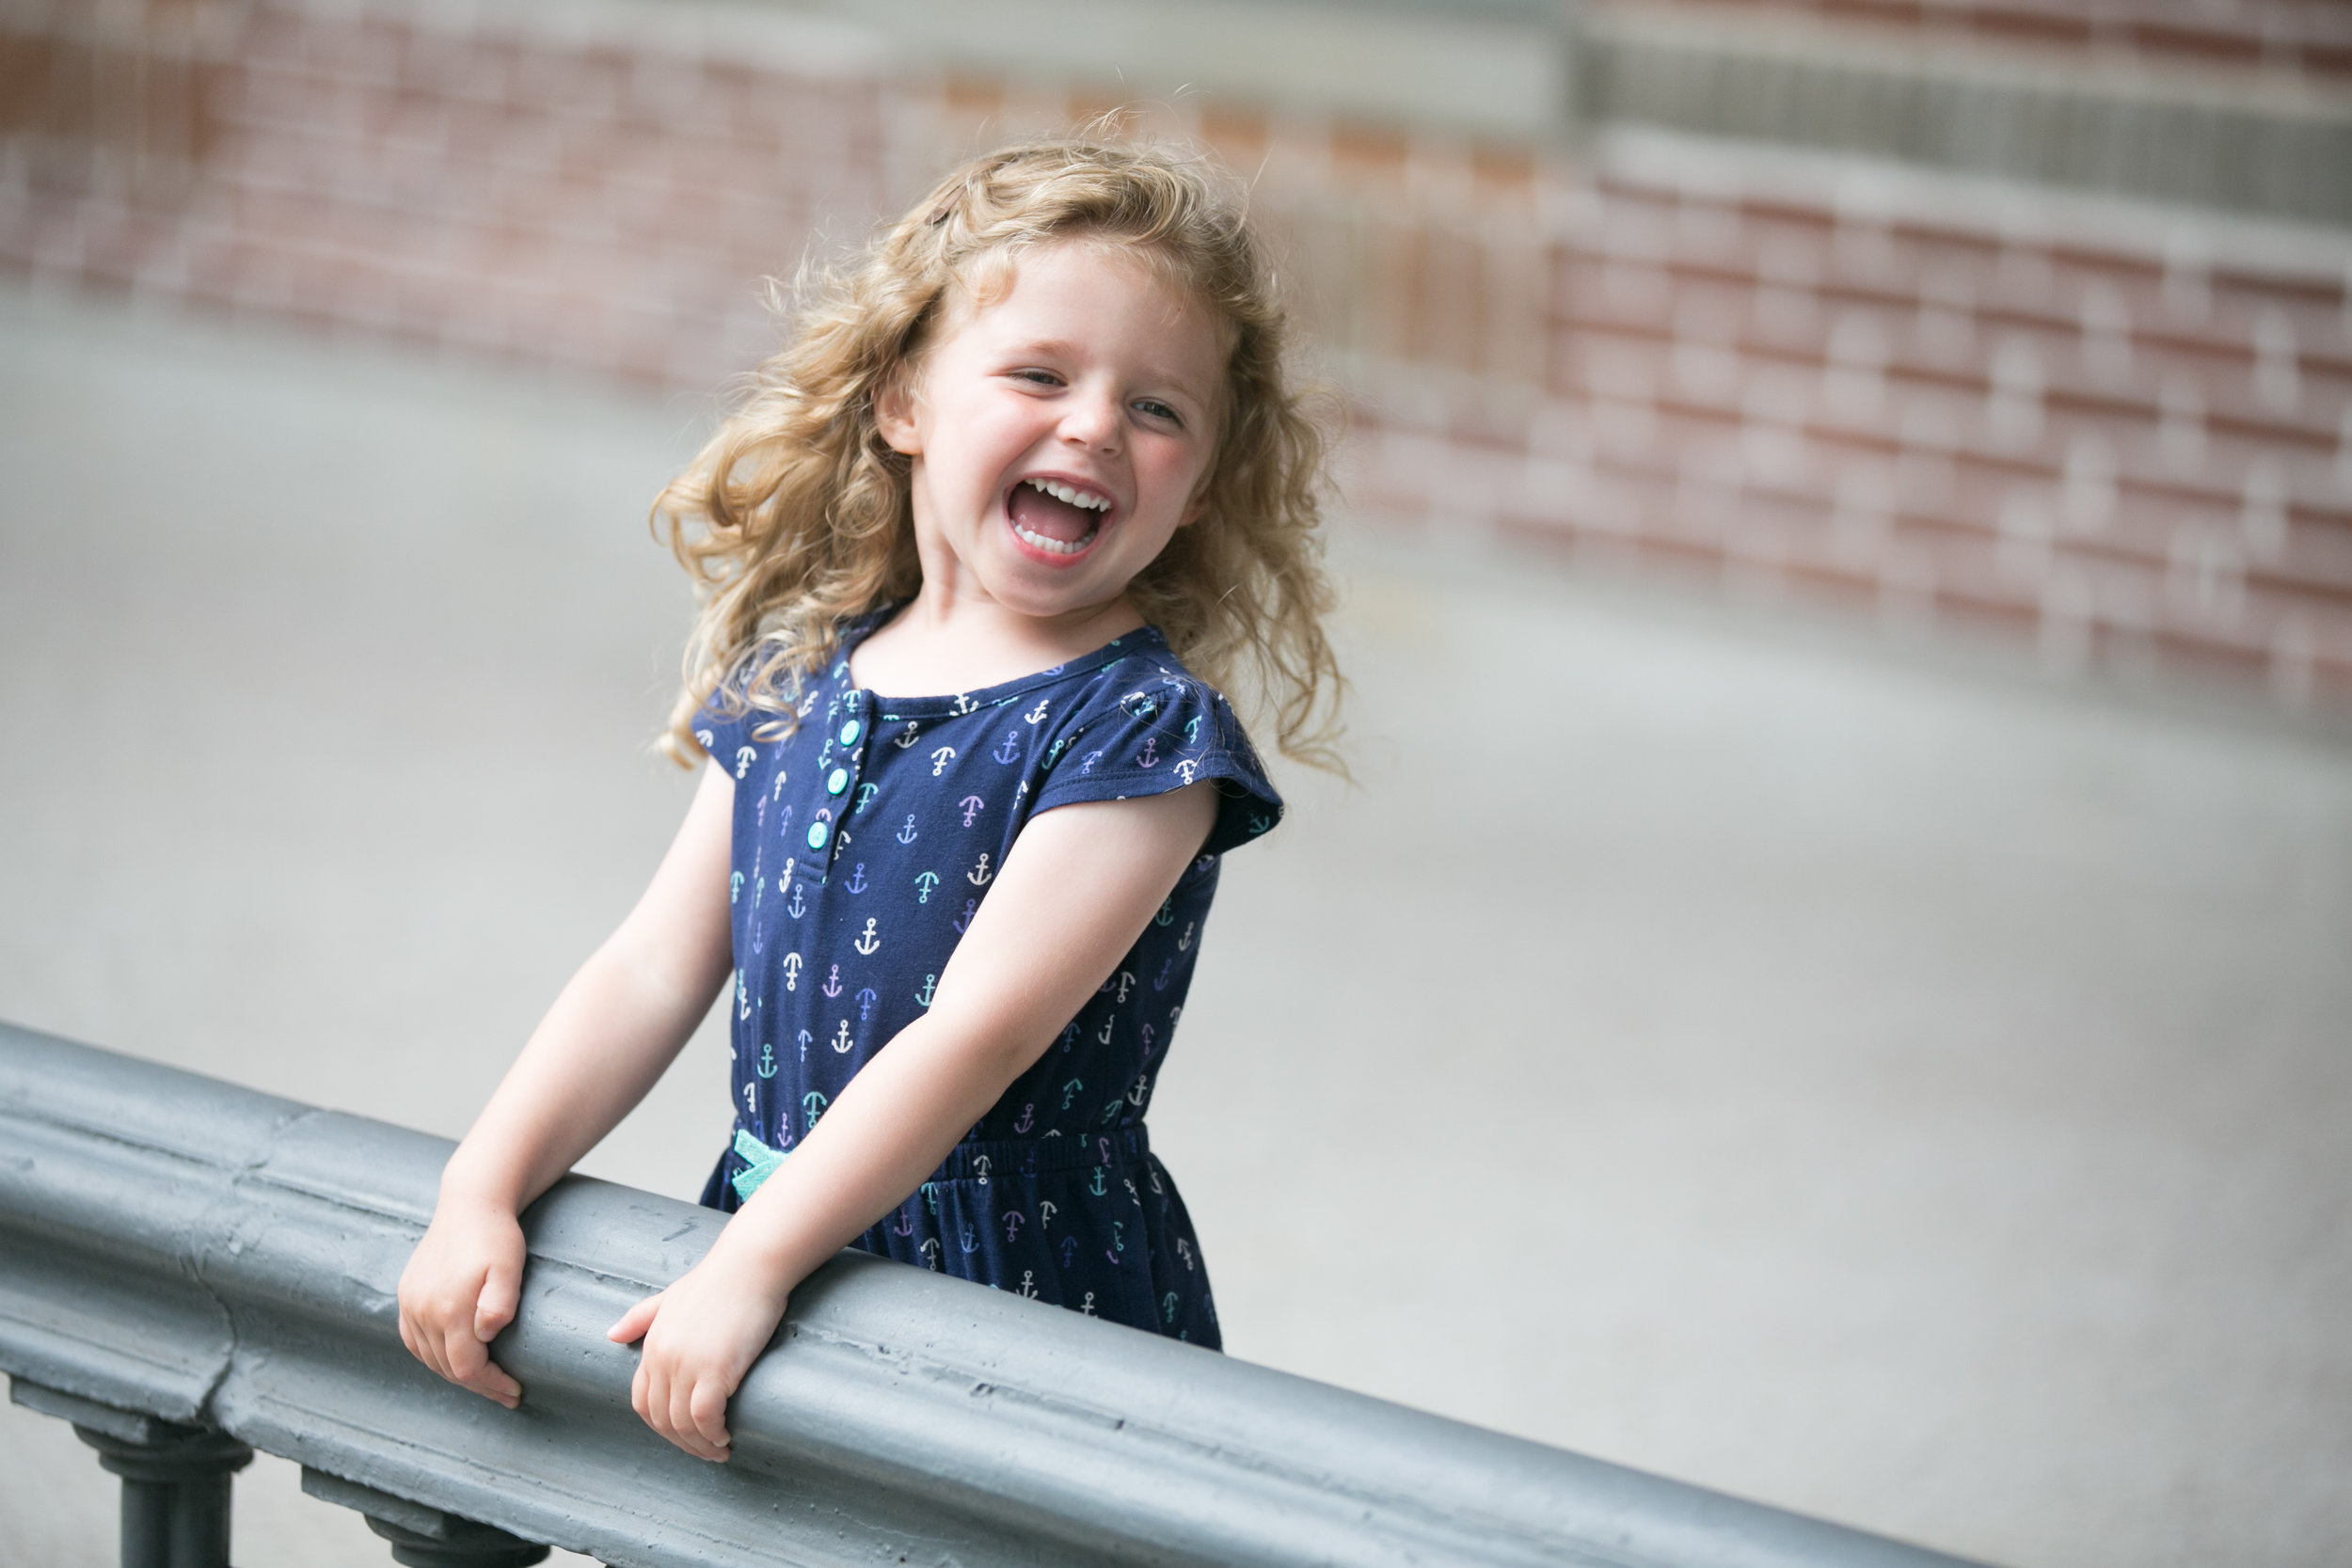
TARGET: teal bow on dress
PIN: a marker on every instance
(761, 1163)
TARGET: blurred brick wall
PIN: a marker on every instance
(517, 182)
(2128, 443)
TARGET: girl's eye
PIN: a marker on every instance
(1041, 378)
(1158, 410)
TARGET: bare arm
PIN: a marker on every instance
(1076, 889)
(612, 1030)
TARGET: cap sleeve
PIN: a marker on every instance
(1144, 736)
(727, 739)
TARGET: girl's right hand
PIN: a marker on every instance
(461, 1287)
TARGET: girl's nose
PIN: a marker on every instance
(1094, 423)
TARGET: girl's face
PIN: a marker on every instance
(1058, 433)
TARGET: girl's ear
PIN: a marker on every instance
(894, 416)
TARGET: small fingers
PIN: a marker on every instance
(494, 1381)
(634, 1322)
(502, 1291)
(683, 1429)
(707, 1409)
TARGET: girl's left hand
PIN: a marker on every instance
(701, 1337)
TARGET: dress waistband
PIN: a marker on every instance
(750, 1162)
(1116, 1147)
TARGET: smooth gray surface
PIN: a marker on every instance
(1883, 1088)
(183, 1247)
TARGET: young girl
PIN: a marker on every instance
(1024, 488)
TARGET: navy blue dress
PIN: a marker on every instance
(865, 841)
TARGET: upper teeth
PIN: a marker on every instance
(1074, 496)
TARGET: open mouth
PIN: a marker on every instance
(1055, 517)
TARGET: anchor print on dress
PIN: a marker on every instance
(965, 1237)
(1184, 1250)
(833, 982)
(743, 997)
(930, 1253)
(973, 805)
(1045, 1212)
(805, 1039)
(868, 940)
(981, 1162)
(857, 882)
(1070, 1250)
(907, 739)
(1187, 771)
(1150, 756)
(963, 921)
(963, 704)
(906, 1220)
(1118, 1243)
(799, 906)
(923, 886)
(1087, 765)
(1014, 1220)
(1100, 1187)
(1070, 1092)
(841, 1043)
(1167, 1307)
(1183, 943)
(1147, 1047)
(1124, 981)
(931, 984)
(1027, 1288)
(980, 876)
(1028, 1117)
(1011, 751)
(865, 1000)
(865, 793)
(941, 758)
(791, 972)
(767, 1068)
(1108, 1024)
(734, 886)
(744, 757)
(812, 1106)
(907, 834)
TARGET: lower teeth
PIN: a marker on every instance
(1055, 546)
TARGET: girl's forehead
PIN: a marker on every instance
(1081, 284)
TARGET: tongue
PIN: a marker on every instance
(1040, 513)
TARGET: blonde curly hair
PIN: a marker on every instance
(795, 518)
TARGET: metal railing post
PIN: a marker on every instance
(424, 1536)
(175, 1478)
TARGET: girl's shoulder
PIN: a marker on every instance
(1133, 721)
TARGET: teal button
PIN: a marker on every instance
(817, 833)
(836, 781)
(850, 732)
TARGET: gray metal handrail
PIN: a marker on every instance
(186, 1263)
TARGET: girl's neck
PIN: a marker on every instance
(933, 646)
